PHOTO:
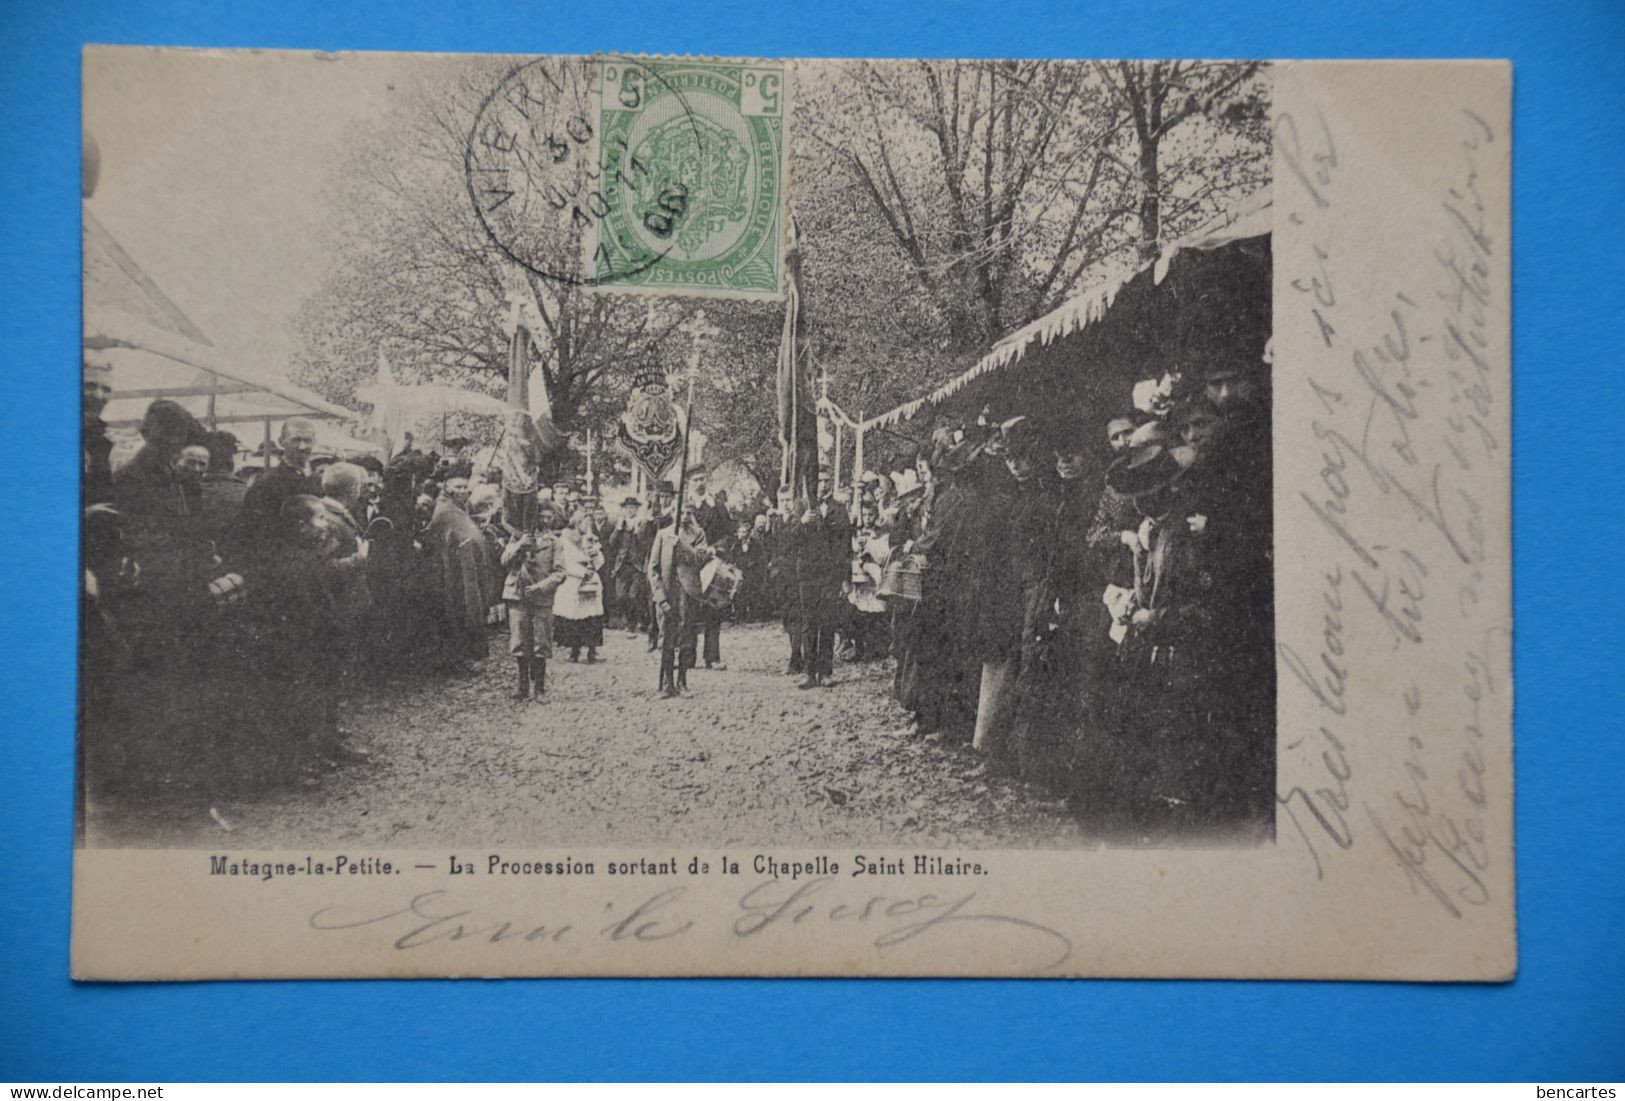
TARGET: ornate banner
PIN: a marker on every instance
(650, 432)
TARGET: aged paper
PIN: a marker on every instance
(1262, 729)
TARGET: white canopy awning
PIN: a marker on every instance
(157, 352)
(1254, 218)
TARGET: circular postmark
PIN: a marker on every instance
(544, 182)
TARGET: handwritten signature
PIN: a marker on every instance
(436, 917)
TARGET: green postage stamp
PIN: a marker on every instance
(693, 156)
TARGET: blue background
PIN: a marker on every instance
(1564, 1017)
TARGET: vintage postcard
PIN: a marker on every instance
(630, 515)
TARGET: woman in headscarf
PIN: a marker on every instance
(578, 608)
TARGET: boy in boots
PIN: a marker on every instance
(534, 576)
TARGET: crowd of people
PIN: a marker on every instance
(1111, 642)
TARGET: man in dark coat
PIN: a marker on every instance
(1014, 496)
(779, 588)
(943, 677)
(716, 522)
(400, 576)
(1109, 540)
(346, 577)
(626, 590)
(1230, 487)
(409, 453)
(300, 665)
(466, 578)
(222, 491)
(160, 614)
(710, 512)
(822, 553)
(161, 531)
(259, 525)
(1063, 629)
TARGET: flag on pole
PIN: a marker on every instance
(798, 417)
(527, 382)
(528, 433)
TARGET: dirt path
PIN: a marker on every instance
(746, 760)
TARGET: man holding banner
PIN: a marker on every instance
(674, 585)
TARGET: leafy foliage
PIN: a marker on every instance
(941, 205)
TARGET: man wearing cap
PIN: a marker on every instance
(710, 513)
(662, 500)
(744, 550)
(97, 467)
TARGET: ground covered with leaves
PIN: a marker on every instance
(604, 761)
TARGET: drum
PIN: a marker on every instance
(903, 579)
(719, 582)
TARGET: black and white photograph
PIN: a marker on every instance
(743, 497)
(391, 533)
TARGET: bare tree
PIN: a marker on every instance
(1005, 183)
(977, 170)
(423, 276)
(1159, 97)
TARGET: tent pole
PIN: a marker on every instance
(266, 447)
(857, 463)
(214, 385)
(835, 481)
